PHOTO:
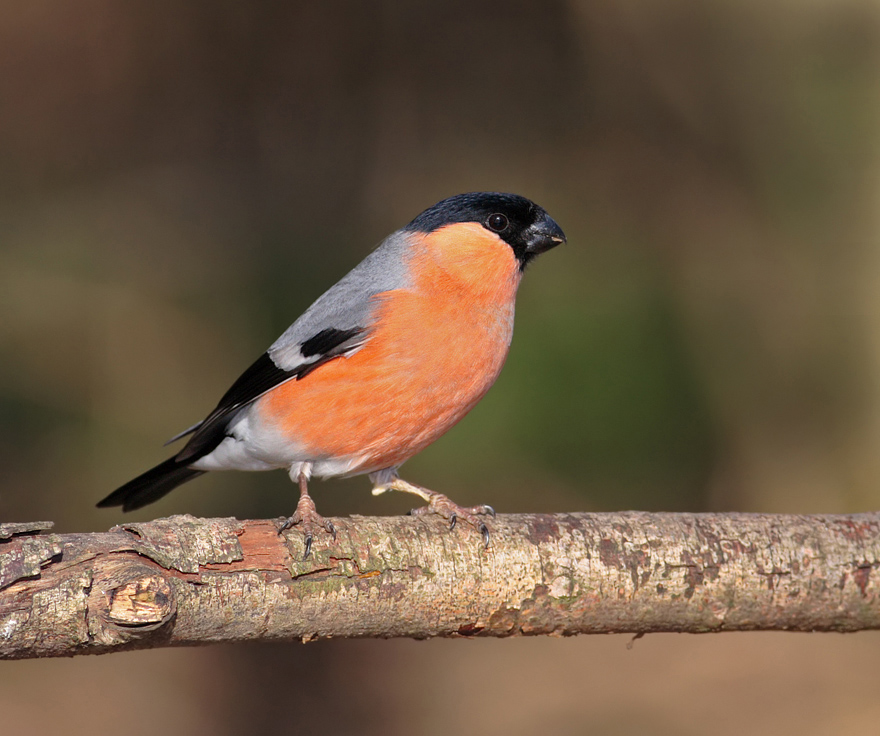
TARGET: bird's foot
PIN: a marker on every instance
(309, 522)
(443, 506)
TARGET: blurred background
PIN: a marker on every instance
(178, 181)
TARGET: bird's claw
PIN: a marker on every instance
(310, 522)
(484, 531)
(443, 507)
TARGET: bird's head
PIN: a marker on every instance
(518, 221)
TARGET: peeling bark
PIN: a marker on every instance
(184, 581)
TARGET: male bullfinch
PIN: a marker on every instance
(379, 367)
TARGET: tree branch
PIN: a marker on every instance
(182, 580)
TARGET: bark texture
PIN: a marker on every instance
(184, 581)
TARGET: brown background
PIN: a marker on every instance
(178, 181)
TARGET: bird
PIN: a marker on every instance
(378, 367)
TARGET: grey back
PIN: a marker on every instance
(348, 304)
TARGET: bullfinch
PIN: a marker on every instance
(380, 366)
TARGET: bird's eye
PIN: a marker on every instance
(497, 222)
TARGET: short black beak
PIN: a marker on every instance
(543, 235)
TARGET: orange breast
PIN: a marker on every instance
(436, 349)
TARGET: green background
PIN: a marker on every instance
(178, 181)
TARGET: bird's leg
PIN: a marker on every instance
(306, 517)
(439, 504)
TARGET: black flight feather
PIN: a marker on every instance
(262, 376)
(150, 486)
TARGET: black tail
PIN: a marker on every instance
(150, 486)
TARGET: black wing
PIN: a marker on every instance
(261, 377)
